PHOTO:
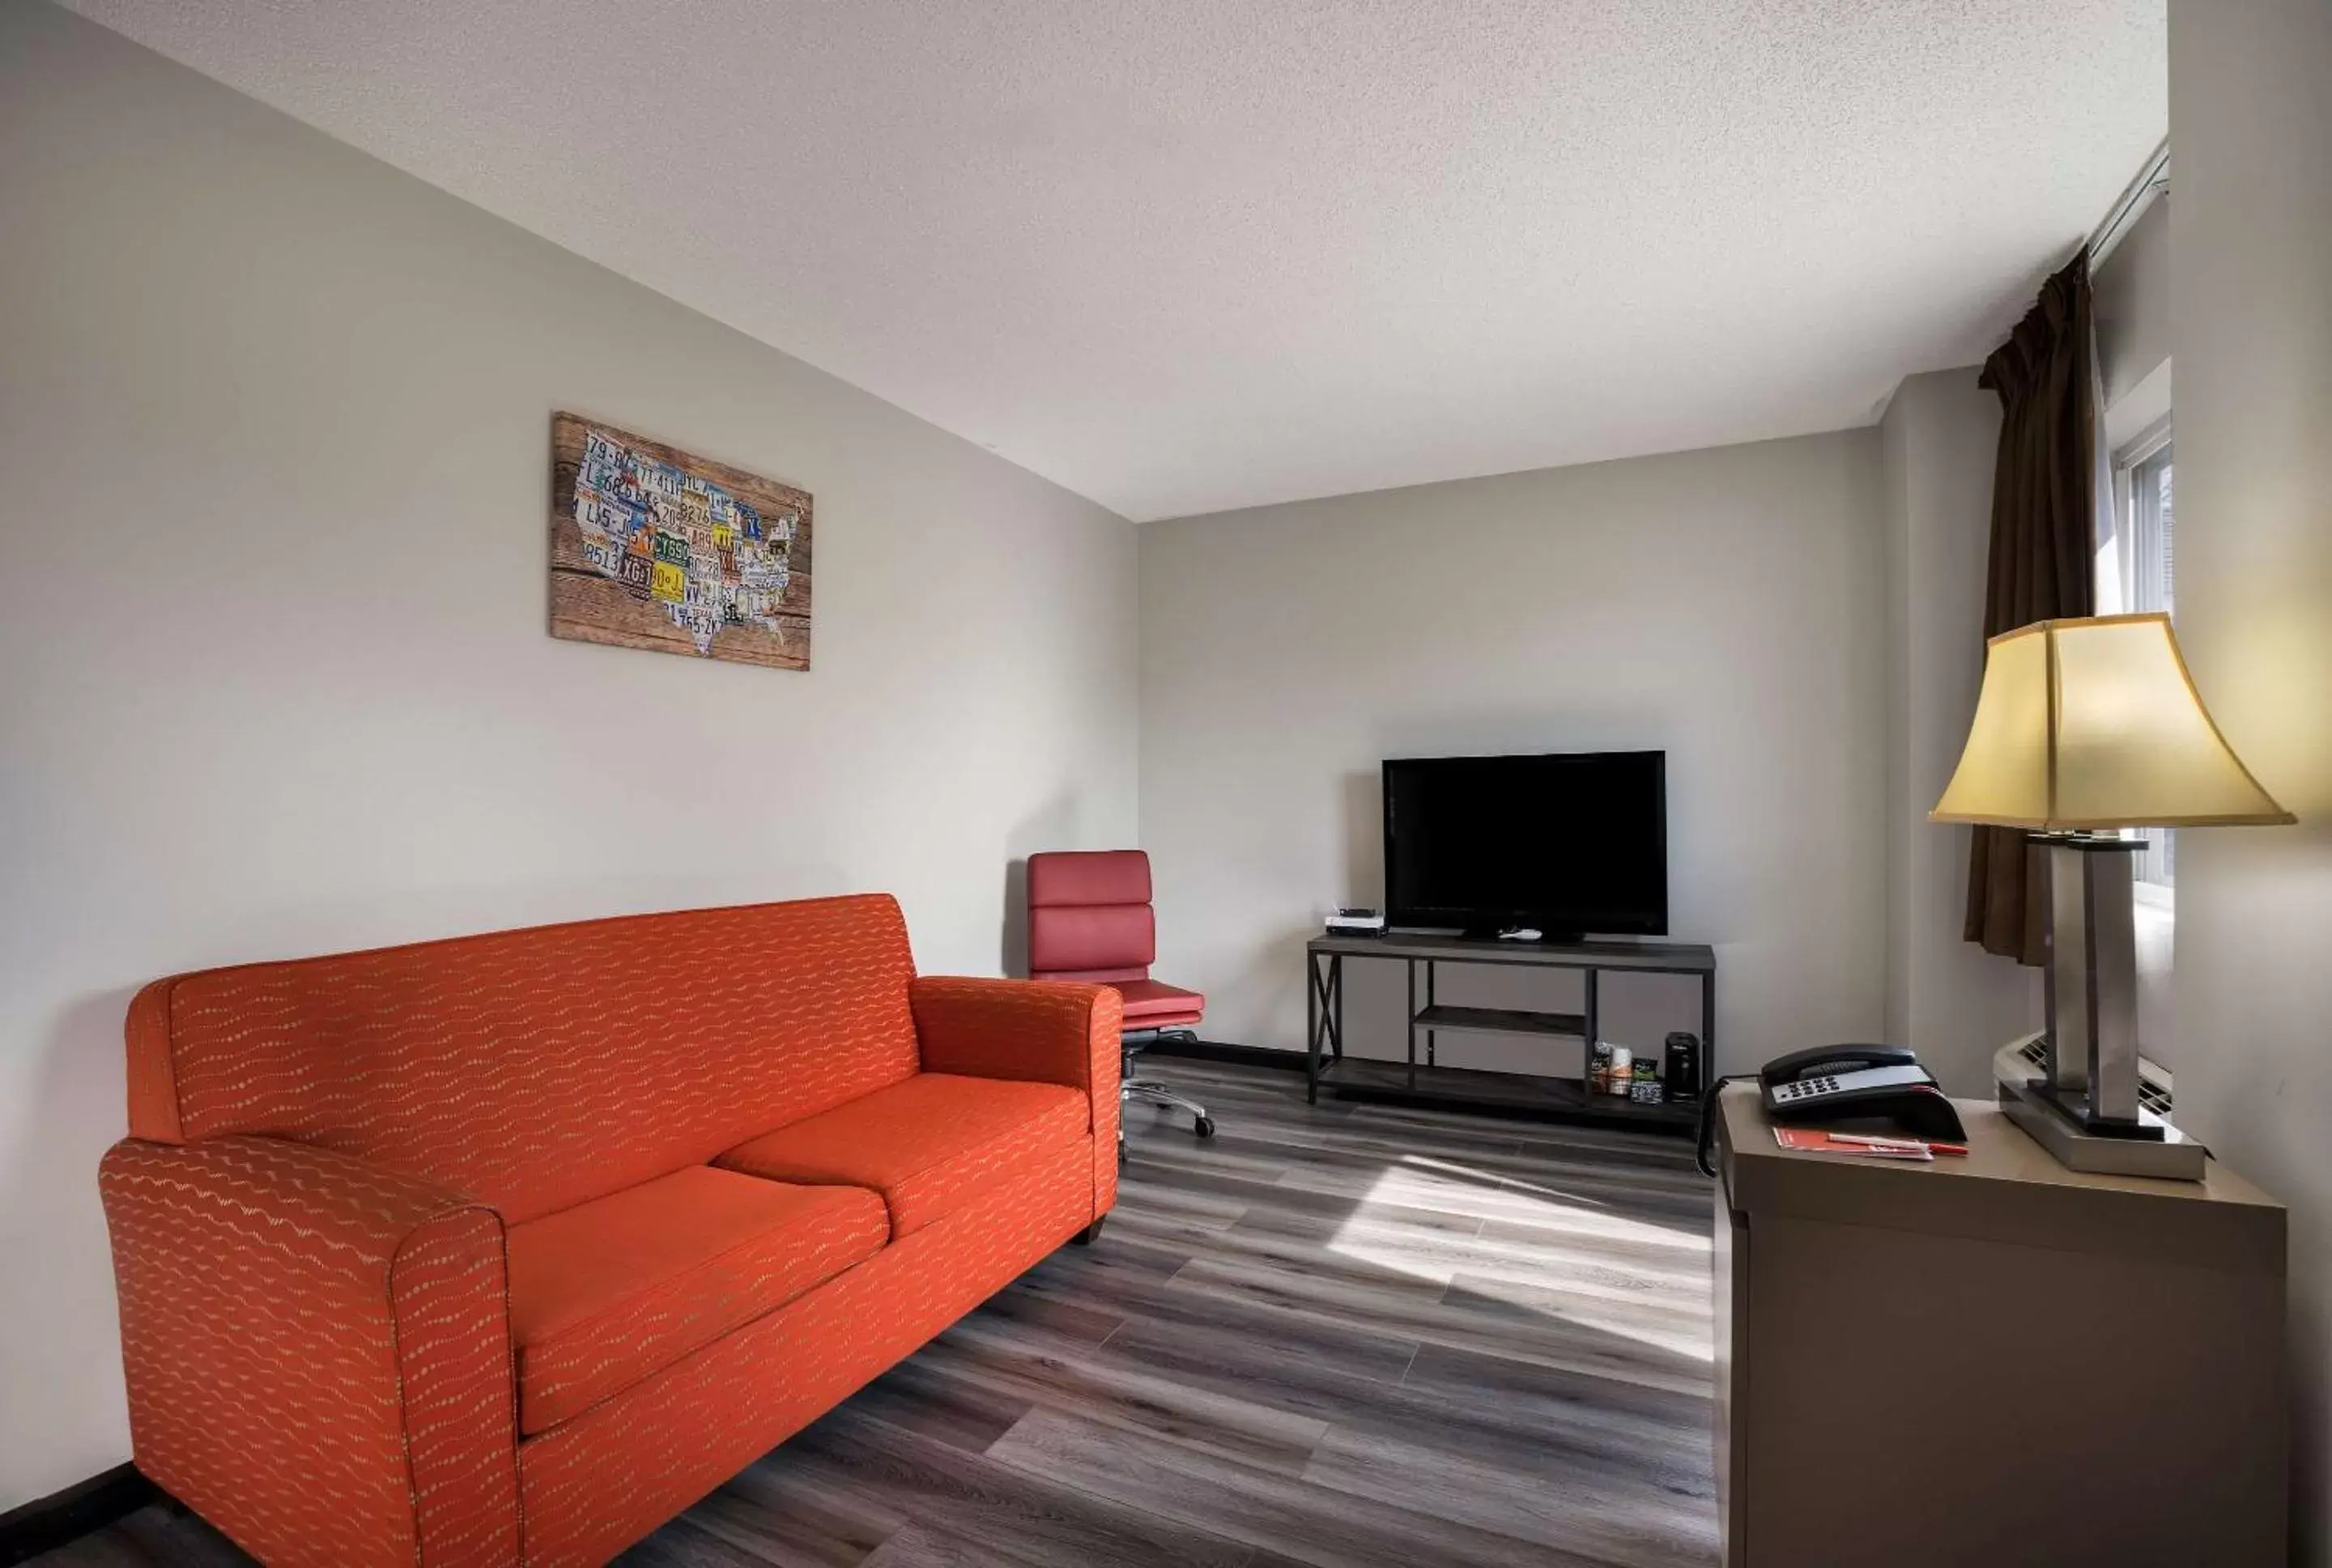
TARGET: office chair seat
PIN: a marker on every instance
(1152, 1004)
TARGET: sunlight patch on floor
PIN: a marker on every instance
(1687, 1334)
(1415, 1181)
(1505, 1183)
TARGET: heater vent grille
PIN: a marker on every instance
(2153, 1082)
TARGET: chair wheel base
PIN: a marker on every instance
(1205, 1126)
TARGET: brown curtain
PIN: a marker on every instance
(2043, 556)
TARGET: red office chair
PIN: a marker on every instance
(1089, 919)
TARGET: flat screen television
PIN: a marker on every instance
(1573, 843)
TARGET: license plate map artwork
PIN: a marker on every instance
(652, 547)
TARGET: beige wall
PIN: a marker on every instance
(2132, 303)
(1726, 605)
(2250, 129)
(1947, 998)
(273, 426)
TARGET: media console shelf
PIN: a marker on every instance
(1430, 1083)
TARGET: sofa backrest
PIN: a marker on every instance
(539, 1069)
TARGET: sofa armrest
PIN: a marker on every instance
(1050, 1030)
(317, 1352)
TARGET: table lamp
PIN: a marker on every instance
(2085, 728)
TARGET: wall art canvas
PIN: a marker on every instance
(652, 547)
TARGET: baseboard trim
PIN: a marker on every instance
(45, 1524)
(1220, 1050)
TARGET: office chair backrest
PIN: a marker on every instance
(1089, 915)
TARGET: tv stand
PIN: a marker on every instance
(1428, 1083)
(1544, 939)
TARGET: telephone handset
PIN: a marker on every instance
(1841, 1082)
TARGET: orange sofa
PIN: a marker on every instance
(506, 1248)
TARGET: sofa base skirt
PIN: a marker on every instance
(596, 1483)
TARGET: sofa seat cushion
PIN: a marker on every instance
(612, 1291)
(1152, 1004)
(930, 1145)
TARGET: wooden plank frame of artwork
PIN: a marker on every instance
(682, 555)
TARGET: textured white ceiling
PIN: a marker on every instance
(1180, 257)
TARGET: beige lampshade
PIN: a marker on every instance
(2096, 724)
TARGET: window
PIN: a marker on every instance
(2143, 559)
(2150, 531)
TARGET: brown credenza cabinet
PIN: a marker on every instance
(1992, 1360)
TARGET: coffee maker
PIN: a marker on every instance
(1680, 1066)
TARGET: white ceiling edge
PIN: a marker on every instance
(1220, 255)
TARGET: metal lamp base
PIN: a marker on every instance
(2086, 1110)
(2148, 1128)
(2160, 1151)
(2092, 972)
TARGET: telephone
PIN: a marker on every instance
(1833, 1083)
(1840, 1085)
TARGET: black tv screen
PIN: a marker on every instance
(1573, 843)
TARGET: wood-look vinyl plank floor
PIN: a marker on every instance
(1620, 1519)
(1123, 1392)
(1297, 1519)
(1340, 1335)
(1400, 1388)
(906, 1476)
